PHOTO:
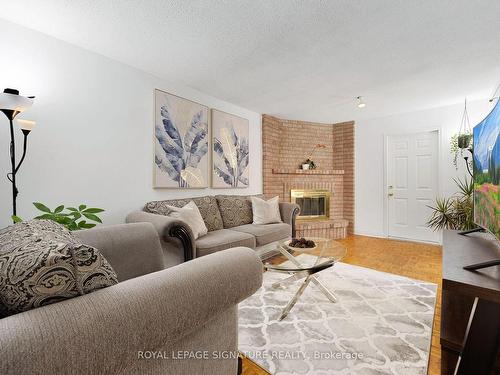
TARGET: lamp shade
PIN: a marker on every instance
(11, 100)
(27, 125)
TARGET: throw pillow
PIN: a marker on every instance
(41, 262)
(266, 212)
(209, 209)
(235, 210)
(190, 214)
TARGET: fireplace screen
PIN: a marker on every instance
(314, 204)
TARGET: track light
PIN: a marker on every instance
(361, 103)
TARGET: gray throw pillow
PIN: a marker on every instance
(235, 210)
(41, 262)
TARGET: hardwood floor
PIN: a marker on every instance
(411, 259)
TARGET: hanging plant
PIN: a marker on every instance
(463, 140)
(457, 143)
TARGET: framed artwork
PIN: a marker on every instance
(230, 152)
(181, 142)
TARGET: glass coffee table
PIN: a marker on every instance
(303, 268)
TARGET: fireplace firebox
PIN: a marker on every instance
(314, 204)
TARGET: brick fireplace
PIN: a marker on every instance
(286, 145)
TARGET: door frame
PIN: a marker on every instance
(386, 176)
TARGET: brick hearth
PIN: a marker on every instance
(286, 144)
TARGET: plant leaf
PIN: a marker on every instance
(94, 210)
(168, 155)
(72, 226)
(195, 139)
(228, 147)
(45, 216)
(82, 207)
(58, 209)
(16, 219)
(41, 207)
(84, 225)
(71, 209)
(170, 127)
(166, 166)
(243, 180)
(234, 137)
(92, 217)
(194, 159)
(76, 215)
(219, 150)
(227, 178)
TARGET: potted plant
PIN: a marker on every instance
(456, 212)
(458, 144)
(464, 141)
(71, 217)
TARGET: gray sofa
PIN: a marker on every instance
(229, 222)
(151, 310)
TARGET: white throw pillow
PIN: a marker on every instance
(190, 214)
(266, 212)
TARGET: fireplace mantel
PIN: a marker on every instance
(309, 171)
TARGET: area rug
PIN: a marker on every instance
(381, 324)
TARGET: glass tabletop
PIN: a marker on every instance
(324, 253)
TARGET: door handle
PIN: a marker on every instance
(390, 194)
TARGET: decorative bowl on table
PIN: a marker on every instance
(301, 244)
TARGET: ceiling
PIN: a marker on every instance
(298, 59)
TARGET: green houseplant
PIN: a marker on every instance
(457, 211)
(71, 217)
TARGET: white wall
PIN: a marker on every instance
(93, 143)
(370, 134)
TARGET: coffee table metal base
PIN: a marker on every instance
(309, 277)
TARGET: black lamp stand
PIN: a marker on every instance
(11, 114)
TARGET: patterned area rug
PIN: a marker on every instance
(381, 324)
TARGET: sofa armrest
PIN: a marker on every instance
(132, 249)
(289, 212)
(167, 229)
(102, 332)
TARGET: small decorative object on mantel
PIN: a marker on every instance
(309, 163)
(12, 104)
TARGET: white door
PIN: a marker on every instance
(412, 185)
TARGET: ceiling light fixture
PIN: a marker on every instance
(361, 103)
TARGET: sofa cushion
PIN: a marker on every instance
(267, 233)
(190, 214)
(235, 210)
(42, 262)
(222, 239)
(266, 212)
(209, 209)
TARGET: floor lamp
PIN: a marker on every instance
(11, 104)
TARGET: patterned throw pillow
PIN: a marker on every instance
(41, 262)
(235, 210)
(208, 207)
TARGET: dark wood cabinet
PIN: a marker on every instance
(460, 289)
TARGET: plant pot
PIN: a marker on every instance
(464, 141)
(305, 167)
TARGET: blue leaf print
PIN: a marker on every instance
(180, 159)
(226, 177)
(169, 126)
(232, 174)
